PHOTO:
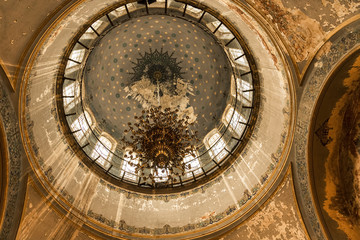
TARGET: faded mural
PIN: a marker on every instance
(343, 162)
(157, 81)
(279, 218)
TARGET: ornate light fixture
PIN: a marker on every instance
(159, 142)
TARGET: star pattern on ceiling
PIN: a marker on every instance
(157, 66)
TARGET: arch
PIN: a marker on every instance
(103, 150)
(216, 145)
(13, 176)
(336, 48)
(233, 118)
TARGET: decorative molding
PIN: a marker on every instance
(327, 59)
(11, 127)
(321, 46)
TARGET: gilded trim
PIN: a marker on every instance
(312, 130)
(7, 74)
(4, 173)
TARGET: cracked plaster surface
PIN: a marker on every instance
(305, 24)
(277, 219)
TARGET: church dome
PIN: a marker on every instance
(196, 67)
(110, 61)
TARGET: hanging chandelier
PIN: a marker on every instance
(159, 142)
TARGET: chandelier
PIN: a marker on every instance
(159, 142)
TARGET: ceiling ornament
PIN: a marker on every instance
(160, 141)
(156, 78)
(158, 66)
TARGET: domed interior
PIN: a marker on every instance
(236, 91)
(198, 68)
(127, 70)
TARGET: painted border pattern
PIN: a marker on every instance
(314, 81)
(11, 127)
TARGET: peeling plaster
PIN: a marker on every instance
(341, 8)
(278, 219)
(260, 35)
(302, 33)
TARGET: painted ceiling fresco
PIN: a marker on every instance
(156, 60)
(343, 162)
(335, 152)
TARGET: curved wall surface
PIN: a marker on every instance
(112, 211)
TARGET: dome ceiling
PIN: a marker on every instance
(121, 67)
(110, 60)
(119, 78)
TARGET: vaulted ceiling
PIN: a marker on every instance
(275, 83)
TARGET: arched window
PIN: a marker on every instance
(244, 90)
(70, 93)
(235, 120)
(128, 171)
(245, 87)
(222, 32)
(102, 152)
(194, 164)
(161, 175)
(80, 127)
(216, 145)
(75, 59)
(195, 12)
(90, 32)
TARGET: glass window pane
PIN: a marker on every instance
(81, 127)
(96, 25)
(106, 142)
(72, 66)
(216, 145)
(161, 174)
(102, 150)
(195, 12)
(77, 55)
(194, 165)
(224, 33)
(238, 56)
(235, 120)
(69, 103)
(118, 12)
(127, 168)
(69, 90)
